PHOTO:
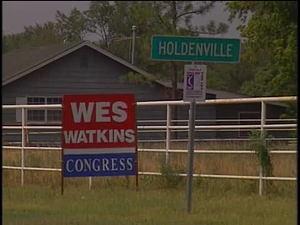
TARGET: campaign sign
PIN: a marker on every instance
(99, 135)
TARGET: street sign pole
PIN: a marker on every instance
(194, 91)
(190, 161)
(180, 48)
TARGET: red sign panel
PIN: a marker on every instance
(95, 125)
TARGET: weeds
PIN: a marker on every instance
(231, 164)
(261, 147)
(170, 174)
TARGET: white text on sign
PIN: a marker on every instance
(99, 136)
(102, 110)
(195, 49)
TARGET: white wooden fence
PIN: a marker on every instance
(168, 128)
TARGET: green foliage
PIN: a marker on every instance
(33, 36)
(271, 45)
(291, 111)
(136, 78)
(114, 22)
(261, 146)
(72, 27)
(229, 77)
(98, 20)
(170, 174)
(66, 29)
(34, 205)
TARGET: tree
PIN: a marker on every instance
(44, 34)
(271, 45)
(98, 20)
(73, 27)
(123, 16)
(230, 77)
(168, 18)
(33, 36)
(11, 42)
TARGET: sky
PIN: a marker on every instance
(17, 14)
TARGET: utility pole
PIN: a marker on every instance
(133, 44)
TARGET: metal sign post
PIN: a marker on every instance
(181, 48)
(194, 90)
(190, 164)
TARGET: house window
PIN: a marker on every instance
(248, 118)
(53, 114)
(44, 115)
(35, 115)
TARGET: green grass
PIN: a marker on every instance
(113, 200)
(34, 205)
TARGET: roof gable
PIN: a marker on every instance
(18, 63)
(23, 61)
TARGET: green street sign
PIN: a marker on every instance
(180, 48)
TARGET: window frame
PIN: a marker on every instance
(45, 110)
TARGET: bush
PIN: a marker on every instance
(261, 147)
(170, 174)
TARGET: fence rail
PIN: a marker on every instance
(161, 150)
(167, 128)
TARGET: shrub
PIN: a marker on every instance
(261, 147)
(170, 174)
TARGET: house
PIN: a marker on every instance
(42, 75)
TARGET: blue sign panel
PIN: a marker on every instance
(123, 164)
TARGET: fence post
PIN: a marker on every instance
(23, 145)
(262, 123)
(168, 133)
(90, 183)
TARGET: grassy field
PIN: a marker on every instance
(35, 205)
(114, 200)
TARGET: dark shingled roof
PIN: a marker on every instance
(17, 61)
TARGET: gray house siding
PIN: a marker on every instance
(65, 76)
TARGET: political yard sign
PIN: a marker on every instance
(99, 135)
